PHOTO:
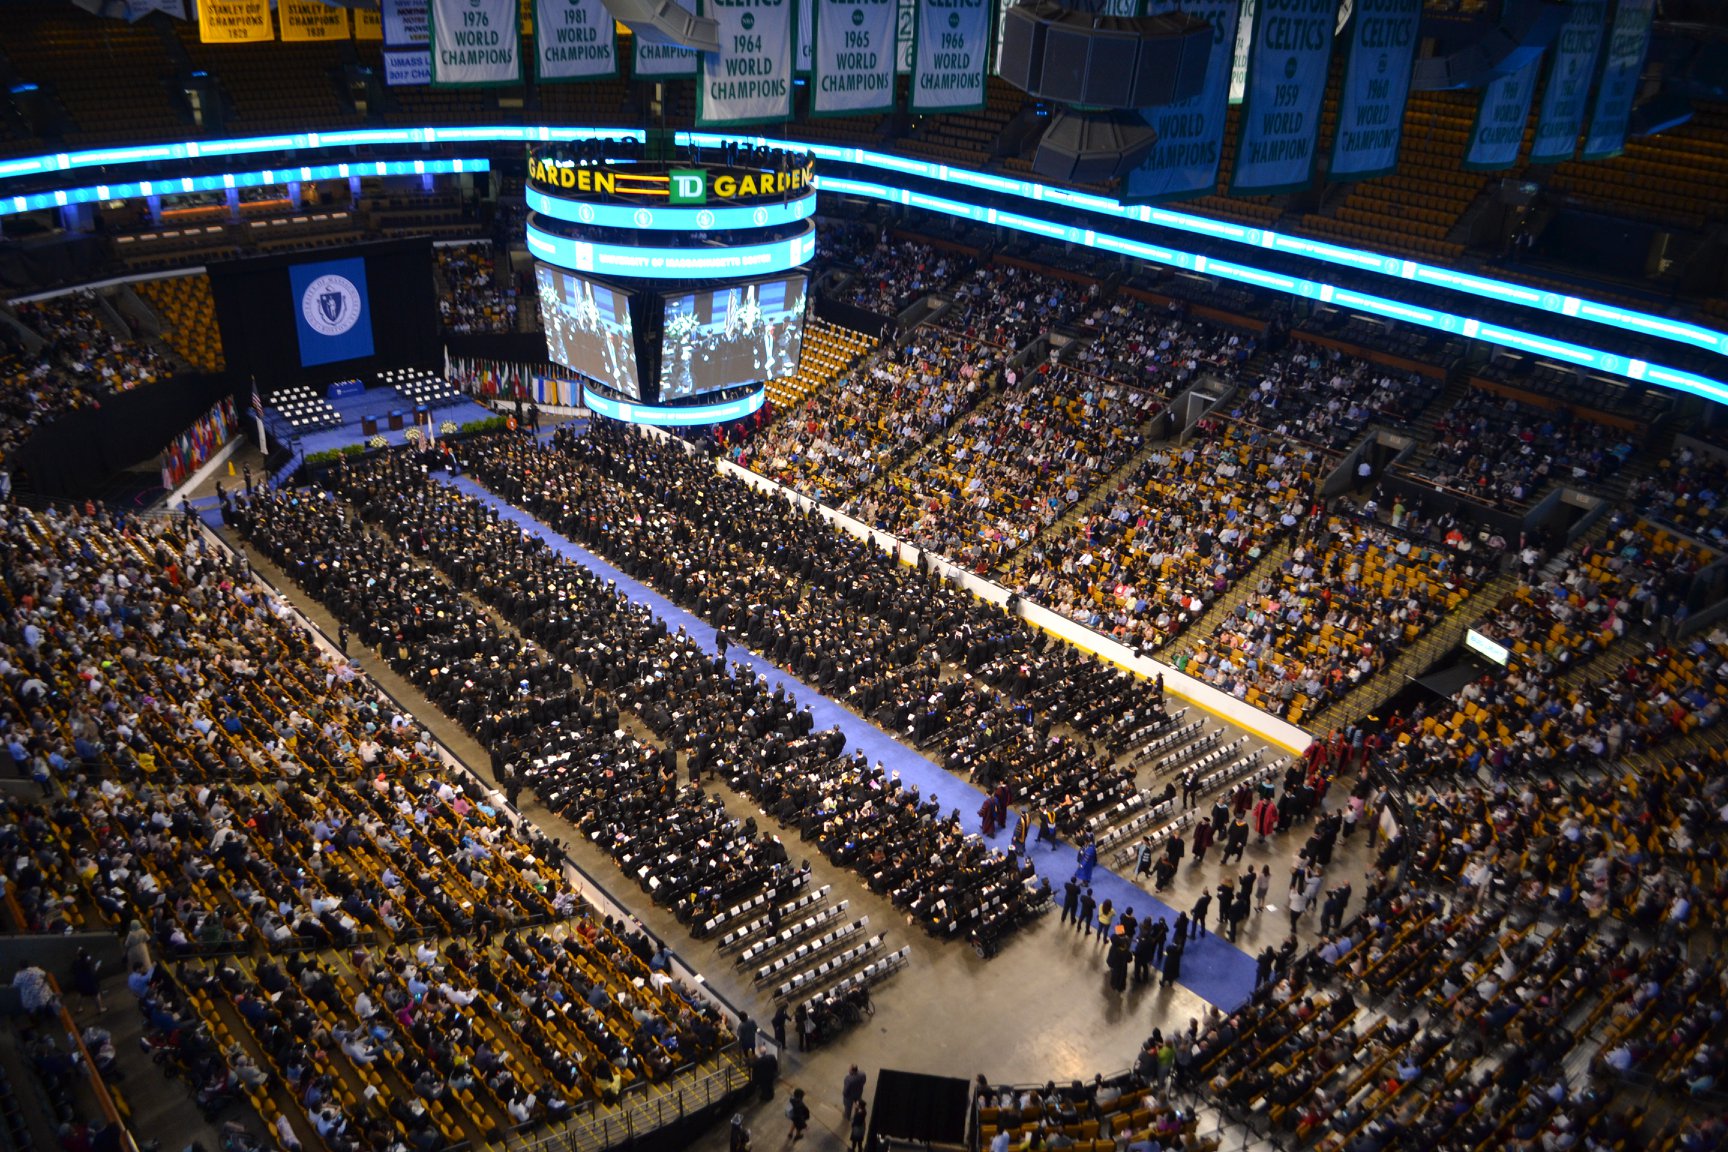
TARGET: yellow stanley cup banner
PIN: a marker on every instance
(368, 24)
(234, 21)
(304, 20)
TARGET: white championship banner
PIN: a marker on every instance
(950, 55)
(475, 42)
(574, 40)
(662, 61)
(404, 22)
(750, 79)
(853, 71)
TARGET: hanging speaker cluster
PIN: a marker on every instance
(1104, 68)
(1116, 62)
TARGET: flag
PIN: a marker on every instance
(257, 400)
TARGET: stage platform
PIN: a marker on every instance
(375, 405)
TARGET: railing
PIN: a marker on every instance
(599, 1129)
(98, 1086)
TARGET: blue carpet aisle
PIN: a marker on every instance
(1212, 968)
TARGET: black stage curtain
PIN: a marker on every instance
(853, 317)
(515, 347)
(74, 455)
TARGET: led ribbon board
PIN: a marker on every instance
(668, 219)
(669, 263)
(1595, 359)
(1608, 315)
(681, 416)
(96, 193)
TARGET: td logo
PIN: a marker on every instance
(688, 186)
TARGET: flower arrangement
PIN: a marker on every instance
(447, 427)
(378, 442)
(412, 435)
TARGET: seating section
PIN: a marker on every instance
(1415, 208)
(887, 270)
(1013, 467)
(1010, 305)
(1147, 556)
(470, 298)
(1351, 596)
(420, 387)
(1685, 492)
(845, 436)
(1100, 1116)
(1633, 579)
(1327, 397)
(188, 313)
(416, 907)
(830, 354)
(1504, 452)
(91, 341)
(1673, 177)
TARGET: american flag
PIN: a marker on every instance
(257, 401)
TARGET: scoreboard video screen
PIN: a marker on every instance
(722, 337)
(588, 328)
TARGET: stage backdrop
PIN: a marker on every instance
(300, 319)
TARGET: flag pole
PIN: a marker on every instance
(258, 418)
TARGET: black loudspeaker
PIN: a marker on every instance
(667, 22)
(1092, 148)
(1526, 29)
(1056, 53)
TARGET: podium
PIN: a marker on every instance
(396, 420)
(369, 425)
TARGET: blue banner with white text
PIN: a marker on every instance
(1499, 130)
(1376, 82)
(1184, 162)
(331, 310)
(1287, 65)
(1622, 64)
(1571, 64)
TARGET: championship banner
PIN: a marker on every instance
(331, 311)
(904, 22)
(1287, 65)
(234, 21)
(574, 40)
(1184, 162)
(312, 21)
(368, 24)
(1571, 64)
(750, 79)
(1499, 129)
(1624, 63)
(405, 23)
(806, 47)
(950, 55)
(650, 61)
(854, 59)
(474, 43)
(1376, 83)
(407, 68)
(1239, 61)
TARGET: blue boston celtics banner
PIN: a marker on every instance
(1286, 85)
(1628, 41)
(1499, 129)
(1376, 82)
(1184, 162)
(331, 311)
(1571, 64)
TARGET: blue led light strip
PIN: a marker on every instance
(684, 415)
(672, 263)
(665, 218)
(1501, 291)
(1591, 358)
(96, 193)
